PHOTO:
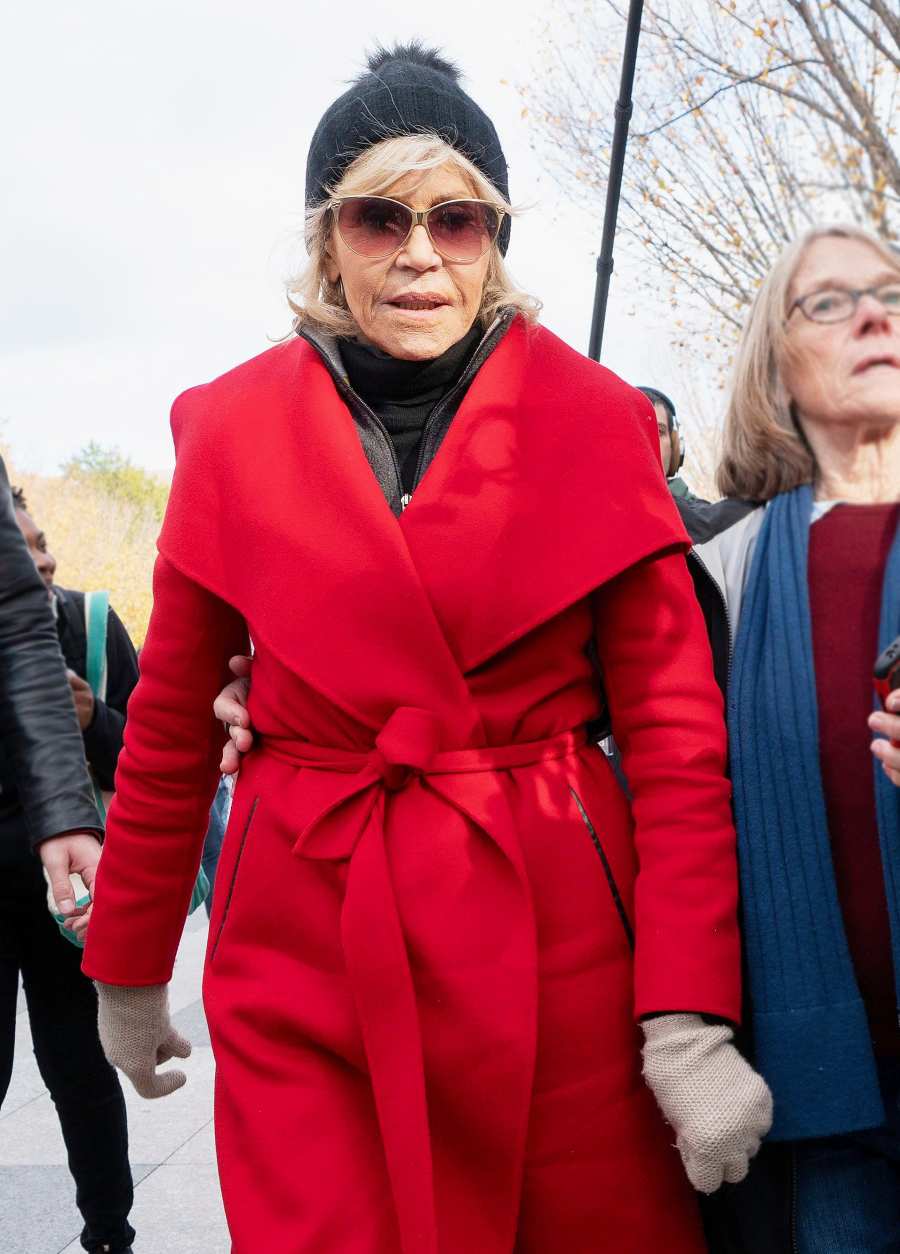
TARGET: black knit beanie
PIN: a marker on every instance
(405, 90)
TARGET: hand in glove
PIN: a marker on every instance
(718, 1106)
(137, 1036)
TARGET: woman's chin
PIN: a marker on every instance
(416, 335)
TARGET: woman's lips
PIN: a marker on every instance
(418, 304)
(882, 359)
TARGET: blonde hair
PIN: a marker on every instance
(318, 303)
(764, 452)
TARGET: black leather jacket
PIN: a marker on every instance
(38, 727)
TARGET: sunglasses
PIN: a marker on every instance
(377, 227)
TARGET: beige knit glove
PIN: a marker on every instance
(718, 1106)
(137, 1035)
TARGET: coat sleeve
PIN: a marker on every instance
(38, 725)
(667, 719)
(103, 739)
(165, 782)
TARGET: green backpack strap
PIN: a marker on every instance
(96, 617)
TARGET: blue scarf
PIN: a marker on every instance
(811, 1036)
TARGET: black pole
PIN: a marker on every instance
(614, 186)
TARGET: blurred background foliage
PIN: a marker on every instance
(110, 473)
(101, 516)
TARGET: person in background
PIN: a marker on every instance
(62, 1004)
(671, 442)
(38, 730)
(798, 573)
(102, 722)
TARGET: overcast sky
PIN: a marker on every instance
(151, 194)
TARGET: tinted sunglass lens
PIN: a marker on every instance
(373, 227)
(463, 230)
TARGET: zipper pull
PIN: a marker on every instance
(405, 500)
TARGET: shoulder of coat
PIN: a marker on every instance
(211, 403)
(599, 402)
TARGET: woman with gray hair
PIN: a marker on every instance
(430, 947)
(808, 571)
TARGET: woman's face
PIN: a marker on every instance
(843, 372)
(413, 305)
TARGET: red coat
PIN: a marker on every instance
(419, 983)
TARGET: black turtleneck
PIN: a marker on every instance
(404, 393)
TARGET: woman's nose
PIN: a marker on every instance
(870, 312)
(418, 251)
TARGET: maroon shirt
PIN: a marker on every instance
(848, 550)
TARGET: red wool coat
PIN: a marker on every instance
(420, 981)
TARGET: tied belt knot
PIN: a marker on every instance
(341, 808)
(405, 747)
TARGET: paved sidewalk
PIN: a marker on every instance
(177, 1205)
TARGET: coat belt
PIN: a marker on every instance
(343, 819)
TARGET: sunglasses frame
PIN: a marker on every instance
(419, 217)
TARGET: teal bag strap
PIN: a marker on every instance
(96, 618)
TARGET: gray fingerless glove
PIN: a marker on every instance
(719, 1107)
(137, 1036)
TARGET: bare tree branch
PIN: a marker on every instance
(888, 17)
(701, 104)
(748, 129)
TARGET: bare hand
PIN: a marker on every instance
(230, 707)
(77, 923)
(887, 723)
(84, 698)
(62, 856)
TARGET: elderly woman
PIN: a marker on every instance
(436, 923)
(812, 587)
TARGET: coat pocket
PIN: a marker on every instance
(607, 870)
(234, 874)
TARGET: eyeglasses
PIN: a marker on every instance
(837, 304)
(377, 227)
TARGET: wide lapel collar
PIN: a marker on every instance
(546, 486)
(450, 524)
(364, 610)
(313, 557)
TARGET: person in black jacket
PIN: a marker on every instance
(37, 730)
(45, 790)
(102, 722)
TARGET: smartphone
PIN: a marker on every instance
(887, 670)
(887, 674)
